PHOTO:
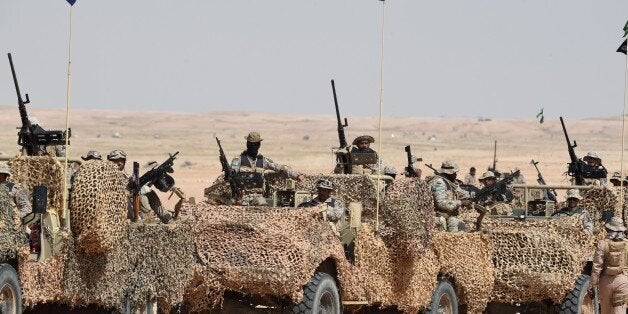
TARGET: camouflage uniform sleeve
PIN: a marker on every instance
(587, 224)
(598, 263)
(442, 202)
(337, 211)
(270, 165)
(20, 197)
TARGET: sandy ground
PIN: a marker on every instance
(305, 141)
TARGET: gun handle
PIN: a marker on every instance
(136, 208)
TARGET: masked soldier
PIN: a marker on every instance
(573, 199)
(448, 197)
(595, 174)
(149, 201)
(250, 167)
(497, 202)
(19, 195)
(609, 265)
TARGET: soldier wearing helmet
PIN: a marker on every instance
(362, 144)
(250, 167)
(335, 208)
(93, 155)
(573, 198)
(498, 201)
(609, 265)
(594, 173)
(18, 195)
(149, 200)
(448, 197)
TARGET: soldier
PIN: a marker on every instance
(362, 144)
(616, 179)
(470, 178)
(92, 155)
(149, 201)
(573, 198)
(447, 197)
(250, 167)
(18, 195)
(497, 202)
(596, 174)
(335, 208)
(609, 265)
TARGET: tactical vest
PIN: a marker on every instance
(614, 257)
(450, 187)
(249, 176)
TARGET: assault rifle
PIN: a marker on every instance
(136, 188)
(32, 137)
(158, 176)
(410, 173)
(551, 194)
(497, 186)
(343, 159)
(229, 172)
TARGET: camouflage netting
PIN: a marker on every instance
(44, 170)
(598, 200)
(98, 207)
(141, 260)
(548, 253)
(11, 239)
(468, 258)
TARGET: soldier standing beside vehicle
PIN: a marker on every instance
(573, 199)
(250, 166)
(609, 265)
(446, 192)
(18, 195)
(496, 203)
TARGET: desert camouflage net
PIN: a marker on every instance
(145, 260)
(548, 253)
(40, 170)
(11, 239)
(598, 200)
(98, 207)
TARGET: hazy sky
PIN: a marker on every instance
(442, 58)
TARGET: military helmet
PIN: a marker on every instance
(448, 167)
(488, 174)
(253, 137)
(615, 225)
(4, 168)
(390, 170)
(116, 154)
(592, 155)
(92, 154)
(361, 138)
(324, 184)
(573, 193)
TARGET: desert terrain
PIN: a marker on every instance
(305, 141)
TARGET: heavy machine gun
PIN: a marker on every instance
(32, 137)
(159, 175)
(343, 158)
(551, 194)
(578, 169)
(410, 173)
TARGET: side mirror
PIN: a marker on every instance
(40, 198)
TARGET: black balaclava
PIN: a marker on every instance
(252, 148)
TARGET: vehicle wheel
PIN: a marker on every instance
(444, 300)
(10, 292)
(150, 307)
(578, 300)
(320, 295)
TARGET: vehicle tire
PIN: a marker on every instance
(320, 295)
(150, 307)
(10, 292)
(578, 300)
(444, 298)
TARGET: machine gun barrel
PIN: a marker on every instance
(23, 115)
(410, 168)
(341, 127)
(575, 165)
(494, 157)
(159, 176)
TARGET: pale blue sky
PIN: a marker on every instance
(442, 58)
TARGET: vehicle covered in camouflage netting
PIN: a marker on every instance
(287, 257)
(103, 260)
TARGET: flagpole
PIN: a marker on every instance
(623, 130)
(66, 215)
(381, 110)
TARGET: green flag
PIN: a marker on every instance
(622, 48)
(541, 116)
(626, 29)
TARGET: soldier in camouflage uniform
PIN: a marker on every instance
(251, 166)
(335, 208)
(498, 202)
(573, 198)
(448, 197)
(362, 144)
(149, 201)
(19, 195)
(594, 161)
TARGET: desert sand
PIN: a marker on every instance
(305, 141)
